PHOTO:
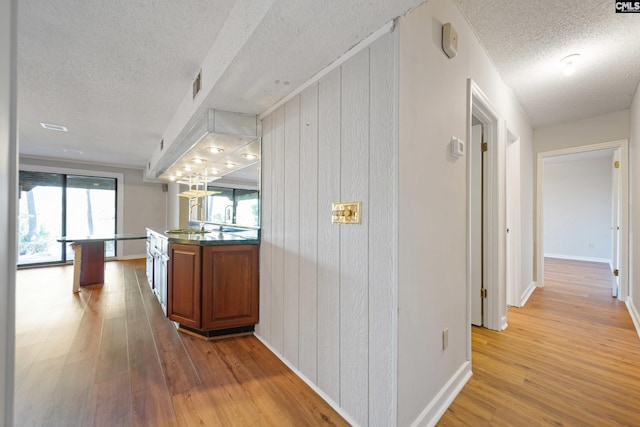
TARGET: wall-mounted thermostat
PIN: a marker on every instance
(457, 147)
(449, 40)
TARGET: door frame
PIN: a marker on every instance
(478, 105)
(615, 223)
(623, 146)
(513, 250)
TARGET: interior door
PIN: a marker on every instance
(615, 226)
(476, 270)
(513, 221)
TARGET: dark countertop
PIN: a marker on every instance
(100, 238)
(207, 239)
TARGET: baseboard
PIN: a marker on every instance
(129, 257)
(310, 383)
(527, 293)
(634, 315)
(438, 406)
(578, 258)
(503, 323)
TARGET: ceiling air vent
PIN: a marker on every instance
(197, 84)
(54, 127)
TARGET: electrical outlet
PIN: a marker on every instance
(445, 338)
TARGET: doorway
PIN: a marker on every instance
(618, 229)
(615, 223)
(513, 244)
(485, 214)
(478, 222)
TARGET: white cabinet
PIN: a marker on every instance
(157, 266)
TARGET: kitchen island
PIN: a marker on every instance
(206, 282)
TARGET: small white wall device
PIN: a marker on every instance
(449, 40)
(457, 147)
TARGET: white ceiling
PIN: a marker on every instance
(115, 73)
(526, 39)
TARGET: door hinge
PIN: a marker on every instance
(484, 147)
(483, 293)
(616, 272)
(616, 164)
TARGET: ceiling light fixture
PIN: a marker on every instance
(199, 160)
(569, 64)
(249, 156)
(229, 165)
(215, 150)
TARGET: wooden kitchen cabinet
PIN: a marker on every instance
(229, 286)
(184, 285)
(213, 289)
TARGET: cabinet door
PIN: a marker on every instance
(229, 286)
(162, 285)
(150, 264)
(184, 284)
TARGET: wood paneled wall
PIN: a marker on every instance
(329, 292)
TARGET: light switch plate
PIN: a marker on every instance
(346, 213)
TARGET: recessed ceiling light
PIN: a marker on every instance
(199, 160)
(59, 128)
(215, 150)
(229, 165)
(568, 64)
(178, 173)
(172, 178)
(188, 168)
(249, 156)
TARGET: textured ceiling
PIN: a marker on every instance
(117, 73)
(526, 40)
(112, 72)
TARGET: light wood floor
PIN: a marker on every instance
(570, 357)
(107, 356)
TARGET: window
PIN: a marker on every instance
(53, 205)
(233, 206)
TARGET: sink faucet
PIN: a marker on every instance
(228, 213)
(201, 214)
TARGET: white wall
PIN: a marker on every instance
(145, 204)
(433, 201)
(8, 198)
(577, 209)
(594, 130)
(634, 200)
(328, 291)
